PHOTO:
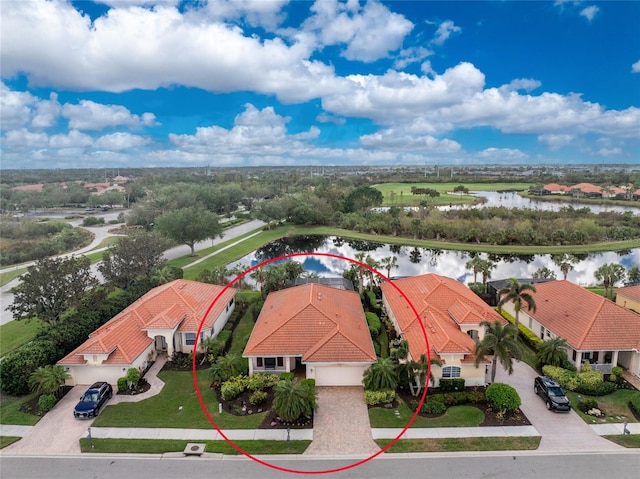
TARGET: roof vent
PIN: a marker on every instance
(319, 296)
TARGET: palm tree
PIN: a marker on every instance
(232, 364)
(553, 352)
(389, 263)
(518, 293)
(565, 262)
(381, 375)
(419, 369)
(610, 274)
(48, 379)
(474, 264)
(486, 266)
(291, 400)
(502, 342)
(360, 255)
(374, 265)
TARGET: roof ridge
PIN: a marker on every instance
(587, 330)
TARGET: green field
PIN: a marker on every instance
(456, 444)
(399, 194)
(161, 446)
(16, 333)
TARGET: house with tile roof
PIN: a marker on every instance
(166, 319)
(450, 314)
(596, 329)
(316, 327)
(629, 297)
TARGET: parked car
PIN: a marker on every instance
(93, 400)
(552, 393)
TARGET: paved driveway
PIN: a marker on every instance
(57, 432)
(341, 423)
(559, 431)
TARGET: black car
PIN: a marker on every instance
(92, 400)
(552, 393)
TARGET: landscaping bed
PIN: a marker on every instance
(32, 407)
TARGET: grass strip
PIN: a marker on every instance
(161, 446)
(10, 414)
(457, 444)
(8, 440)
(16, 333)
(632, 440)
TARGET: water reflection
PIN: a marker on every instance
(513, 200)
(415, 261)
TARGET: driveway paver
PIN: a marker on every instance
(341, 423)
(559, 431)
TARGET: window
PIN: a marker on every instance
(190, 339)
(280, 361)
(231, 302)
(259, 362)
(270, 363)
(451, 372)
(542, 332)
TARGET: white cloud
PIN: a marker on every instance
(444, 31)
(635, 68)
(25, 138)
(120, 141)
(267, 14)
(526, 84)
(555, 141)
(589, 12)
(410, 55)
(47, 112)
(392, 139)
(73, 139)
(327, 118)
(88, 115)
(609, 152)
(370, 32)
(502, 155)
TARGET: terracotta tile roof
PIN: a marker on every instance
(38, 187)
(317, 322)
(587, 321)
(443, 304)
(587, 188)
(180, 304)
(556, 187)
(631, 292)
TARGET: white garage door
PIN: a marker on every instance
(339, 375)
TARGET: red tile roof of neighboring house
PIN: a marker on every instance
(587, 321)
(317, 322)
(180, 304)
(631, 292)
(443, 304)
(587, 188)
(556, 187)
(37, 188)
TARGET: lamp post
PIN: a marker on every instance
(89, 437)
(288, 438)
(625, 431)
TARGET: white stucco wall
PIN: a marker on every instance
(337, 374)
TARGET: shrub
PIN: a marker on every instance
(309, 382)
(123, 384)
(476, 397)
(287, 376)
(92, 221)
(618, 371)
(585, 404)
(599, 389)
(257, 382)
(502, 396)
(232, 388)
(612, 378)
(374, 324)
(133, 376)
(257, 397)
(634, 404)
(46, 402)
(434, 405)
(529, 338)
(452, 384)
(384, 396)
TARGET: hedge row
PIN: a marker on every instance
(526, 334)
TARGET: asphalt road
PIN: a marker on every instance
(453, 465)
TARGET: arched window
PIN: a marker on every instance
(451, 372)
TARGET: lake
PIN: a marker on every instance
(416, 261)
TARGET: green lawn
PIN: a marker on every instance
(456, 444)
(160, 446)
(16, 333)
(243, 329)
(614, 405)
(9, 413)
(9, 276)
(402, 192)
(162, 410)
(632, 440)
(456, 416)
(8, 440)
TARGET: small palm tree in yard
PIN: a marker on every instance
(552, 352)
(419, 369)
(519, 294)
(229, 365)
(48, 379)
(500, 341)
(382, 374)
(293, 399)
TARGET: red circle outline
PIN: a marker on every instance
(296, 471)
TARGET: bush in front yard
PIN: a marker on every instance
(502, 396)
(123, 384)
(232, 388)
(451, 384)
(434, 405)
(384, 396)
(257, 397)
(634, 404)
(46, 402)
(585, 404)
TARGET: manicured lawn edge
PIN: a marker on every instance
(457, 444)
(9, 413)
(615, 406)
(8, 440)
(632, 440)
(455, 416)
(162, 446)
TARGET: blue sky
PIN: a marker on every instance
(121, 83)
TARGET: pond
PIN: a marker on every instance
(416, 261)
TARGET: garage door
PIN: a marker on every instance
(339, 375)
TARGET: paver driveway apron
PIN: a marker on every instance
(560, 431)
(57, 432)
(341, 423)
